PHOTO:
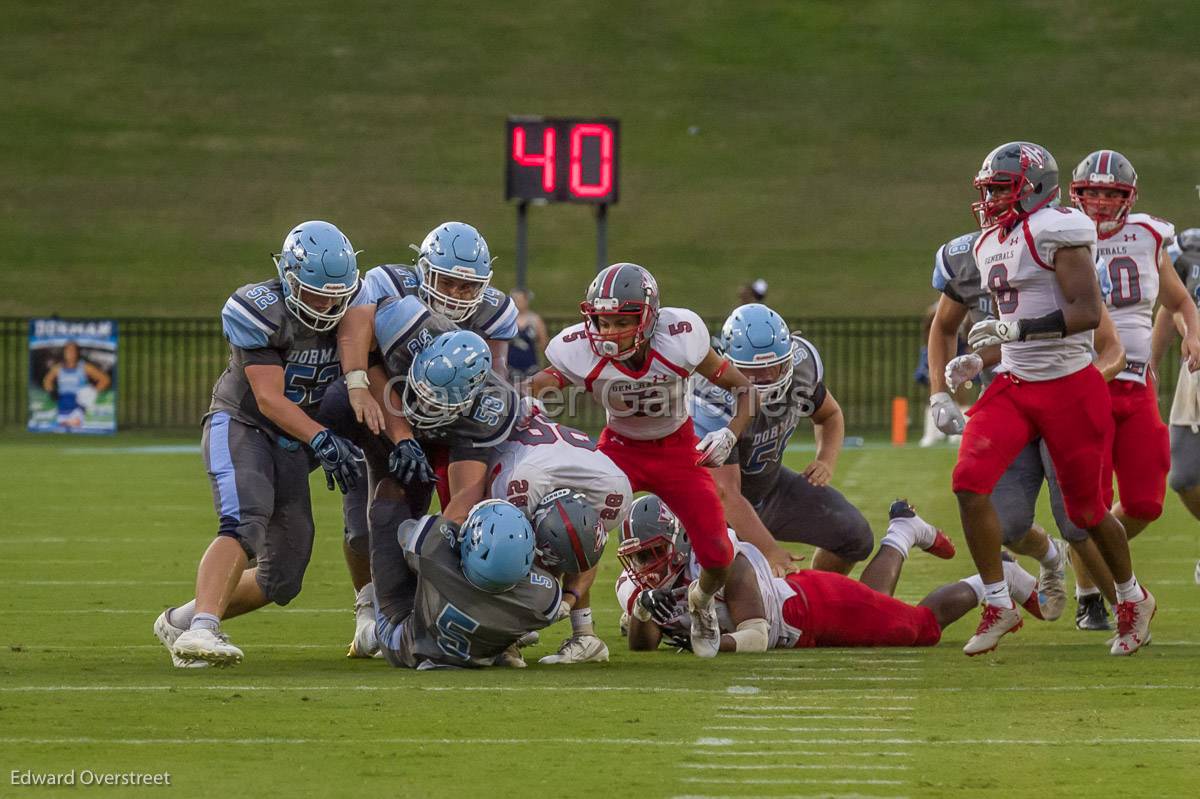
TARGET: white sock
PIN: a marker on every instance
(581, 622)
(205, 621)
(364, 603)
(703, 599)
(904, 533)
(1021, 584)
(1081, 592)
(1129, 591)
(997, 594)
(181, 616)
(1051, 555)
(976, 583)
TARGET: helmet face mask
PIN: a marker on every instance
(757, 341)
(453, 255)
(770, 380)
(317, 261)
(1015, 180)
(622, 290)
(654, 548)
(1104, 186)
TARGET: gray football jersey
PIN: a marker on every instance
(759, 450)
(488, 422)
(453, 623)
(1185, 254)
(494, 319)
(261, 330)
(403, 327)
(956, 275)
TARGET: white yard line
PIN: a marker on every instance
(807, 668)
(781, 728)
(97, 582)
(1059, 743)
(327, 741)
(801, 781)
(822, 795)
(797, 766)
(815, 678)
(800, 753)
(752, 710)
(806, 716)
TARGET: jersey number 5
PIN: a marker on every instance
(453, 626)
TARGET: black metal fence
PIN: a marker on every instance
(166, 368)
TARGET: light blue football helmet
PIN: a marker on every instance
(496, 546)
(445, 378)
(454, 250)
(317, 260)
(758, 342)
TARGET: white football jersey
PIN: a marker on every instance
(541, 456)
(1127, 263)
(1018, 270)
(773, 591)
(647, 403)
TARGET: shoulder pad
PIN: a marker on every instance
(253, 314)
(496, 316)
(807, 367)
(386, 280)
(396, 318)
(1163, 229)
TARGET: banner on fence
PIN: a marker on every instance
(73, 375)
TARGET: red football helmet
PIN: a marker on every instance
(620, 290)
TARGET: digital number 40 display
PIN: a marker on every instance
(562, 159)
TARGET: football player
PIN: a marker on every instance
(757, 491)
(260, 441)
(809, 608)
(540, 461)
(1038, 261)
(1184, 476)
(635, 358)
(451, 277)
(460, 597)
(964, 300)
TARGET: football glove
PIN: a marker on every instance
(715, 447)
(340, 459)
(408, 463)
(963, 369)
(660, 605)
(947, 416)
(993, 331)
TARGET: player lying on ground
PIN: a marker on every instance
(964, 301)
(635, 358)
(809, 608)
(451, 278)
(460, 597)
(283, 356)
(763, 499)
(1038, 261)
(1184, 477)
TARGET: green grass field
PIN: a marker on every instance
(99, 535)
(154, 154)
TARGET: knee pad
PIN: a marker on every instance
(859, 541)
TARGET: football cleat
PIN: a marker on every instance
(365, 644)
(934, 541)
(1091, 613)
(167, 633)
(211, 647)
(530, 638)
(1033, 606)
(1197, 575)
(510, 658)
(1133, 624)
(995, 623)
(1052, 597)
(579, 649)
(706, 632)
(623, 624)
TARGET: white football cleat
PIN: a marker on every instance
(1052, 596)
(1198, 572)
(365, 643)
(706, 632)
(208, 646)
(510, 658)
(1133, 624)
(167, 633)
(530, 638)
(579, 649)
(995, 623)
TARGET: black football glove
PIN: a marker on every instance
(662, 604)
(339, 458)
(408, 463)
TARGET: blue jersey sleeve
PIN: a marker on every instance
(499, 315)
(711, 407)
(396, 319)
(378, 283)
(941, 270)
(244, 325)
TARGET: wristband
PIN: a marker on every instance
(357, 379)
(1052, 325)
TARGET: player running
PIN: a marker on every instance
(283, 356)
(635, 358)
(452, 597)
(1038, 261)
(757, 491)
(542, 469)
(964, 299)
(809, 608)
(1184, 476)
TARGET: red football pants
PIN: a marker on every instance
(1141, 450)
(1072, 414)
(667, 468)
(833, 610)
